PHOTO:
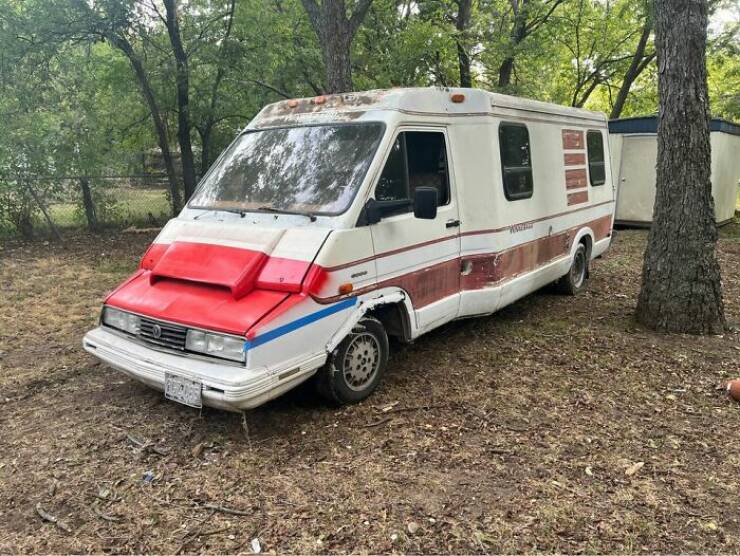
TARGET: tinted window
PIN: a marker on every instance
(315, 169)
(596, 169)
(417, 158)
(516, 161)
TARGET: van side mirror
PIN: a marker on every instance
(425, 203)
(370, 213)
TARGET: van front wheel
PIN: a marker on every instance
(354, 369)
(573, 282)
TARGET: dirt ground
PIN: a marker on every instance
(520, 432)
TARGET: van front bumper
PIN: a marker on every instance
(225, 386)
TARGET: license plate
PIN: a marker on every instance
(182, 390)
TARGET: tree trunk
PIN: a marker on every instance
(88, 204)
(518, 34)
(681, 286)
(207, 127)
(336, 56)
(146, 89)
(205, 146)
(462, 22)
(579, 101)
(638, 64)
(183, 98)
(335, 32)
(505, 72)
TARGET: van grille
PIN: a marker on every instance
(168, 335)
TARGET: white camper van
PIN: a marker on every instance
(332, 223)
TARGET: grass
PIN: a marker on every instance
(117, 208)
(125, 206)
(510, 433)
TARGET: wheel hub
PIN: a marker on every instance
(361, 361)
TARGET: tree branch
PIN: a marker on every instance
(358, 15)
(536, 23)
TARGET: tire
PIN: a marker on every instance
(354, 369)
(575, 280)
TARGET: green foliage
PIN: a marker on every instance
(723, 66)
(71, 105)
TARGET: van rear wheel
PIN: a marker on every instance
(575, 281)
(354, 369)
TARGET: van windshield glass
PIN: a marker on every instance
(312, 169)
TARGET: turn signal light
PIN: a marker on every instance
(457, 97)
(344, 289)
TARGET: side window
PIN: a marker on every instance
(595, 146)
(516, 161)
(392, 185)
(417, 158)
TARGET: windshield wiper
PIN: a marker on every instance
(240, 212)
(270, 208)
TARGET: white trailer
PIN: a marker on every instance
(634, 150)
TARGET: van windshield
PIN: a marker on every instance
(312, 169)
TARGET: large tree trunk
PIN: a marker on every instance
(462, 22)
(681, 287)
(639, 62)
(336, 56)
(335, 31)
(183, 98)
(146, 89)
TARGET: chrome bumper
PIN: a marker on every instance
(225, 386)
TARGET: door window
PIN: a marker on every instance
(417, 158)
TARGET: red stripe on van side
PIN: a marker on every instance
(488, 270)
(392, 252)
(463, 234)
(425, 286)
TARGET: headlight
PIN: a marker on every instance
(121, 320)
(218, 345)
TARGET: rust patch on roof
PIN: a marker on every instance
(342, 101)
(323, 116)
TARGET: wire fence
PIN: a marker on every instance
(44, 207)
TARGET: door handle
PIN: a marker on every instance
(452, 224)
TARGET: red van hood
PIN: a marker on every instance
(219, 275)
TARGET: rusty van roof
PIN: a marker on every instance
(427, 101)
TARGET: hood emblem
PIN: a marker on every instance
(156, 331)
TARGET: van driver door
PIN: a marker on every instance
(421, 256)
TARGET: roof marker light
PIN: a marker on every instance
(319, 100)
(457, 97)
(292, 103)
